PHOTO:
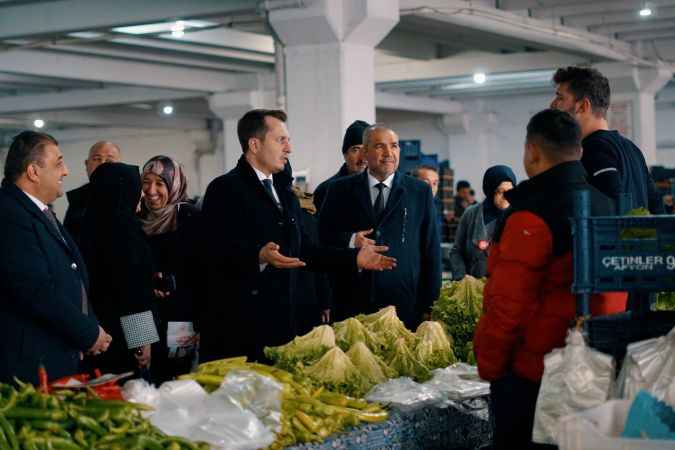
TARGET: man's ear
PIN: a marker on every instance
(31, 173)
(253, 145)
(585, 106)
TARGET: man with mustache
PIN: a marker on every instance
(352, 152)
(255, 244)
(400, 212)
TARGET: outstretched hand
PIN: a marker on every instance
(269, 254)
(370, 258)
(360, 239)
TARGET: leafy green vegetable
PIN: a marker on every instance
(351, 331)
(458, 308)
(434, 349)
(303, 349)
(386, 325)
(337, 372)
(638, 233)
(406, 364)
(371, 367)
(665, 301)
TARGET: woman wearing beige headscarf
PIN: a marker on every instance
(170, 223)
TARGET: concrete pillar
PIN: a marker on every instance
(330, 80)
(229, 107)
(632, 110)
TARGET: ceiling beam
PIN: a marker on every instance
(228, 38)
(114, 119)
(666, 33)
(610, 17)
(537, 33)
(66, 16)
(466, 65)
(106, 70)
(402, 102)
(652, 25)
(594, 7)
(86, 98)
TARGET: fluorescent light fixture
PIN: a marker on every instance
(86, 35)
(163, 27)
(479, 78)
(178, 29)
(645, 12)
(167, 110)
(38, 123)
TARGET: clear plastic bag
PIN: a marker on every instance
(406, 394)
(649, 365)
(458, 382)
(576, 378)
(243, 414)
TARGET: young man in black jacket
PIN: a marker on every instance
(614, 164)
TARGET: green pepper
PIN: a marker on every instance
(34, 414)
(80, 438)
(11, 401)
(90, 424)
(56, 443)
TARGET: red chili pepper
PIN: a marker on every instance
(42, 378)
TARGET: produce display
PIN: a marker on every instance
(366, 350)
(309, 413)
(458, 308)
(69, 420)
(665, 301)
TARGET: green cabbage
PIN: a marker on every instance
(303, 349)
(434, 349)
(351, 331)
(405, 364)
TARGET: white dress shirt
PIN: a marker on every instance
(37, 202)
(374, 192)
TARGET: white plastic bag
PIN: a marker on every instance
(649, 365)
(243, 414)
(406, 394)
(576, 378)
(458, 382)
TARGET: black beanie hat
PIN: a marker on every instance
(463, 184)
(354, 135)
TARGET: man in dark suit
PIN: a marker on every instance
(255, 243)
(400, 210)
(45, 317)
(99, 153)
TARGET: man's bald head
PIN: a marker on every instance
(99, 153)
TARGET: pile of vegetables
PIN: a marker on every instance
(458, 308)
(665, 301)
(66, 420)
(366, 350)
(308, 413)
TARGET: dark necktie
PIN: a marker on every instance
(83, 291)
(267, 184)
(379, 200)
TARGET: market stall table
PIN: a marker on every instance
(462, 425)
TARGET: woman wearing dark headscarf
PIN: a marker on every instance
(120, 267)
(477, 225)
(170, 225)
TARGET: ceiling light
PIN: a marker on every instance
(645, 12)
(178, 29)
(38, 123)
(167, 110)
(479, 78)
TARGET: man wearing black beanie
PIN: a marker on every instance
(352, 146)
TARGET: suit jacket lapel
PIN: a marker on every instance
(32, 208)
(250, 176)
(363, 194)
(397, 192)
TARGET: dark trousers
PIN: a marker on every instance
(514, 400)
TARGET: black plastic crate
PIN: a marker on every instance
(611, 334)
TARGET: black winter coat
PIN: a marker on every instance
(408, 226)
(77, 207)
(41, 318)
(245, 309)
(322, 188)
(118, 257)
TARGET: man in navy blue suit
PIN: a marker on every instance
(45, 317)
(400, 212)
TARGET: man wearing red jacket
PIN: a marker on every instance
(528, 303)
